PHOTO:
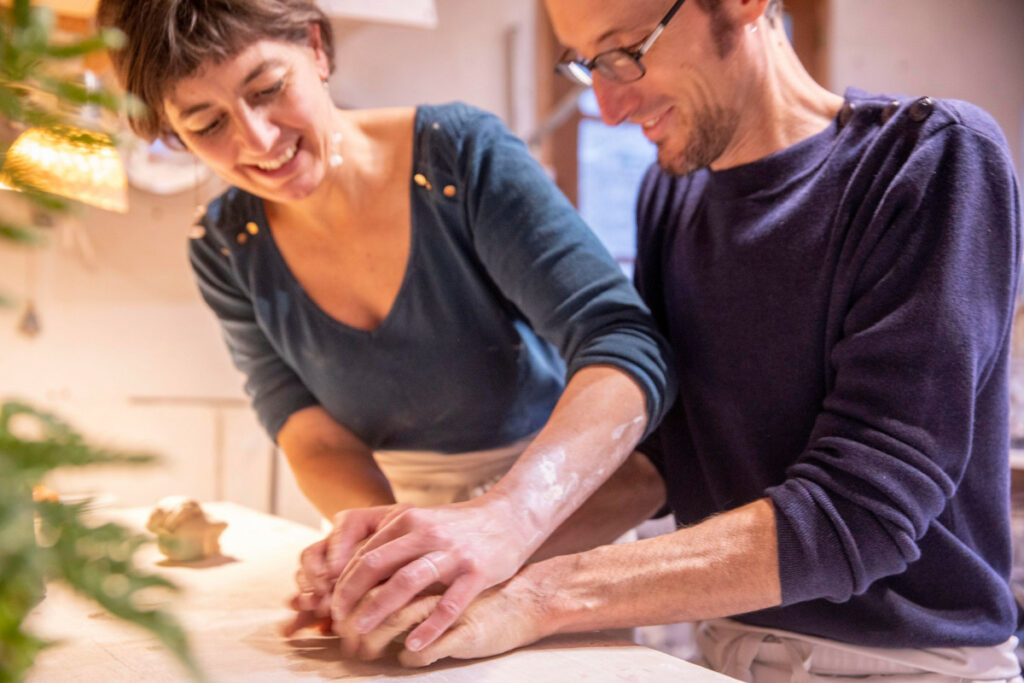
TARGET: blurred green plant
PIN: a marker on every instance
(97, 562)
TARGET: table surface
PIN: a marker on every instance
(232, 606)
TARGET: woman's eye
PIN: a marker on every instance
(272, 90)
(212, 128)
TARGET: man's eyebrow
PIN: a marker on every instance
(615, 31)
(258, 71)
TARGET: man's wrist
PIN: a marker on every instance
(542, 591)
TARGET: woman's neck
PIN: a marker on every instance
(364, 149)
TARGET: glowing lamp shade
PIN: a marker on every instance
(71, 162)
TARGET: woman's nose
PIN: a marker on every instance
(256, 130)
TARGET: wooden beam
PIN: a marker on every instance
(810, 36)
(560, 151)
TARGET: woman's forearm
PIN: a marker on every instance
(336, 481)
(333, 469)
(629, 497)
(593, 428)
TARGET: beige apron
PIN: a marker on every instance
(764, 655)
(427, 478)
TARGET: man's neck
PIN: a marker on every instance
(783, 106)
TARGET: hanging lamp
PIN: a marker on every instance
(71, 162)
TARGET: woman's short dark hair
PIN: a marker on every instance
(167, 40)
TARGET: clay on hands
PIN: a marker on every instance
(183, 531)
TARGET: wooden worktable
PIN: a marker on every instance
(232, 606)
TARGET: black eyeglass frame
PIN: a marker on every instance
(571, 68)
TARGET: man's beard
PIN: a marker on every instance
(710, 133)
(712, 127)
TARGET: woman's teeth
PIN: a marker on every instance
(281, 160)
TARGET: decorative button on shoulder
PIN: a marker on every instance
(449, 190)
(252, 227)
(422, 181)
(889, 110)
(242, 238)
(846, 113)
(922, 109)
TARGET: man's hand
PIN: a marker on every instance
(467, 547)
(500, 619)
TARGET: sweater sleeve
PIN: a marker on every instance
(924, 331)
(648, 279)
(552, 268)
(274, 388)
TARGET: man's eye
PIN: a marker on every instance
(635, 47)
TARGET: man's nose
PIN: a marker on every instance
(616, 100)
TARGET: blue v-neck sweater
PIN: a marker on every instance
(506, 294)
(840, 315)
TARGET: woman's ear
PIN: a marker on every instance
(323, 64)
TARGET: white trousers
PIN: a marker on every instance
(763, 655)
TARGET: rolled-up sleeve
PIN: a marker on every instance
(547, 262)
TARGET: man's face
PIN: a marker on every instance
(690, 99)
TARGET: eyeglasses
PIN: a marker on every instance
(619, 65)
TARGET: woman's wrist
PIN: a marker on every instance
(503, 505)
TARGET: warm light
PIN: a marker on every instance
(87, 169)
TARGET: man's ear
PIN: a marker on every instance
(746, 12)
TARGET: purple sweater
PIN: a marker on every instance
(840, 313)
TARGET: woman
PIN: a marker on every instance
(394, 284)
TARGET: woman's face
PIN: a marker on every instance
(261, 120)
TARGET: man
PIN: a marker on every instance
(837, 277)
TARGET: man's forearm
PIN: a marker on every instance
(725, 565)
(629, 497)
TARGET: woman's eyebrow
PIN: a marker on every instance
(260, 69)
(256, 72)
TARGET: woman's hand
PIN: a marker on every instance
(320, 564)
(305, 618)
(467, 547)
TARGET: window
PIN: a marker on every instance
(612, 162)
